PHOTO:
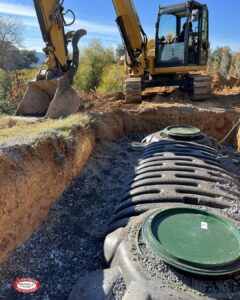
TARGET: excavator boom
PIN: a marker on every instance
(51, 25)
(131, 30)
(51, 94)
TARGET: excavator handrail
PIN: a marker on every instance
(73, 15)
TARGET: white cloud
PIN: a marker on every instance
(30, 22)
(17, 9)
(28, 11)
(27, 15)
(95, 27)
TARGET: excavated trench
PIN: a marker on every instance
(69, 242)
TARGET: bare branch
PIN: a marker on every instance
(10, 39)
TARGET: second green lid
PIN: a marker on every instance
(182, 131)
(193, 240)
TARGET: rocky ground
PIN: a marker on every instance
(70, 242)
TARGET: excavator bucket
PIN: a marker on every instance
(52, 99)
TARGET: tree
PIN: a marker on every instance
(25, 59)
(220, 61)
(93, 61)
(113, 79)
(235, 66)
(6, 106)
(10, 39)
(5, 84)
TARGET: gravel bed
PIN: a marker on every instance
(70, 242)
(176, 280)
(230, 160)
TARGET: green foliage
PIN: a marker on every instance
(224, 61)
(5, 84)
(112, 79)
(93, 61)
(6, 106)
(25, 59)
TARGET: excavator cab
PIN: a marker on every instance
(182, 35)
(174, 58)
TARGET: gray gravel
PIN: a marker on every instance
(230, 160)
(70, 242)
(172, 278)
(119, 290)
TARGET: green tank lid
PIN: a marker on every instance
(193, 240)
(182, 131)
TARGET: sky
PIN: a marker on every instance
(98, 18)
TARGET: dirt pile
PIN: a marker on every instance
(221, 83)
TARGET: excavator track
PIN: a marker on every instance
(201, 87)
(133, 90)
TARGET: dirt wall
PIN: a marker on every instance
(33, 177)
(216, 123)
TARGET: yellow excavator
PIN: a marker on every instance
(51, 94)
(180, 49)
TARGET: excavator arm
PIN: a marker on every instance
(135, 41)
(50, 94)
(51, 23)
(51, 18)
(133, 35)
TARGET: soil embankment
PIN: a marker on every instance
(31, 179)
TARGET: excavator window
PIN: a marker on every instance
(168, 28)
(182, 35)
(171, 40)
(205, 42)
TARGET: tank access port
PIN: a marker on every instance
(184, 133)
(193, 240)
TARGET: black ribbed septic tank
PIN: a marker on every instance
(178, 218)
(177, 170)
